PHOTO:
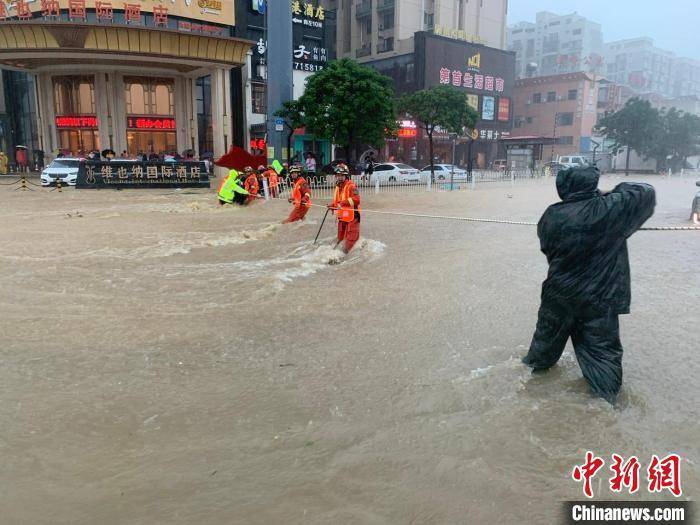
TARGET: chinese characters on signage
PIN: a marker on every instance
(457, 34)
(165, 123)
(307, 14)
(133, 174)
(309, 59)
(661, 474)
(471, 81)
(81, 122)
(213, 11)
(258, 144)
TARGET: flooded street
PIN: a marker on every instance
(167, 361)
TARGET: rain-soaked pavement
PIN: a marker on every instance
(165, 361)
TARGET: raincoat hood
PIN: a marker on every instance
(575, 184)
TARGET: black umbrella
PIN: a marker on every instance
(108, 153)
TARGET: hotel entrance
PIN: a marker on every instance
(76, 119)
(150, 120)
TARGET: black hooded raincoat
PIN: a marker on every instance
(588, 285)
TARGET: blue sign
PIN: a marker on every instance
(279, 122)
(259, 6)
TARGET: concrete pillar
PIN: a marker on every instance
(221, 113)
(103, 99)
(183, 99)
(192, 125)
(118, 112)
(47, 123)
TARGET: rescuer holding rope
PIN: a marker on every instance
(346, 204)
(301, 195)
(230, 190)
(588, 285)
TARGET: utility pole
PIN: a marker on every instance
(279, 73)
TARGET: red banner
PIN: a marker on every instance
(78, 121)
(154, 123)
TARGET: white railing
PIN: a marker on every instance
(323, 186)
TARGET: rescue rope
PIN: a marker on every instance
(499, 221)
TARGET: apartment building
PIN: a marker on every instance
(640, 65)
(556, 44)
(369, 30)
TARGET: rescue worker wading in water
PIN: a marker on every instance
(251, 184)
(301, 195)
(230, 190)
(346, 204)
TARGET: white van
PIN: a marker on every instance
(573, 161)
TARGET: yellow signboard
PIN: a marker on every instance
(457, 34)
(215, 11)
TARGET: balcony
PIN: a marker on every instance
(363, 9)
(383, 5)
(364, 51)
(385, 45)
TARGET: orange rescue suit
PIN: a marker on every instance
(347, 200)
(301, 199)
(251, 186)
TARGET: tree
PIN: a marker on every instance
(348, 104)
(442, 106)
(678, 139)
(636, 126)
(293, 118)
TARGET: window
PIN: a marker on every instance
(149, 96)
(388, 20)
(410, 70)
(74, 95)
(529, 120)
(552, 96)
(259, 95)
(576, 32)
(537, 98)
(573, 94)
(565, 141)
(565, 119)
(383, 167)
(204, 117)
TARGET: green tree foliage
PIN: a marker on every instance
(349, 104)
(442, 106)
(293, 117)
(636, 126)
(677, 139)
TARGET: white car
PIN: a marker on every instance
(64, 168)
(394, 172)
(573, 161)
(444, 172)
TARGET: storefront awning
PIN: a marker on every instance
(35, 44)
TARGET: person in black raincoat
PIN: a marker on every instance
(588, 285)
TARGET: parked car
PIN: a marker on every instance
(64, 168)
(500, 165)
(444, 172)
(572, 161)
(394, 172)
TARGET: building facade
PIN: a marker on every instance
(314, 44)
(638, 64)
(556, 44)
(561, 108)
(370, 30)
(143, 79)
(486, 74)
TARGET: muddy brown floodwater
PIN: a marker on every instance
(165, 361)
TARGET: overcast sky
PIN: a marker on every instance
(673, 24)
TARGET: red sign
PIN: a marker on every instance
(82, 122)
(504, 109)
(166, 123)
(408, 132)
(258, 144)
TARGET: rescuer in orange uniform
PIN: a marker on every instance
(346, 204)
(270, 175)
(301, 195)
(251, 184)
